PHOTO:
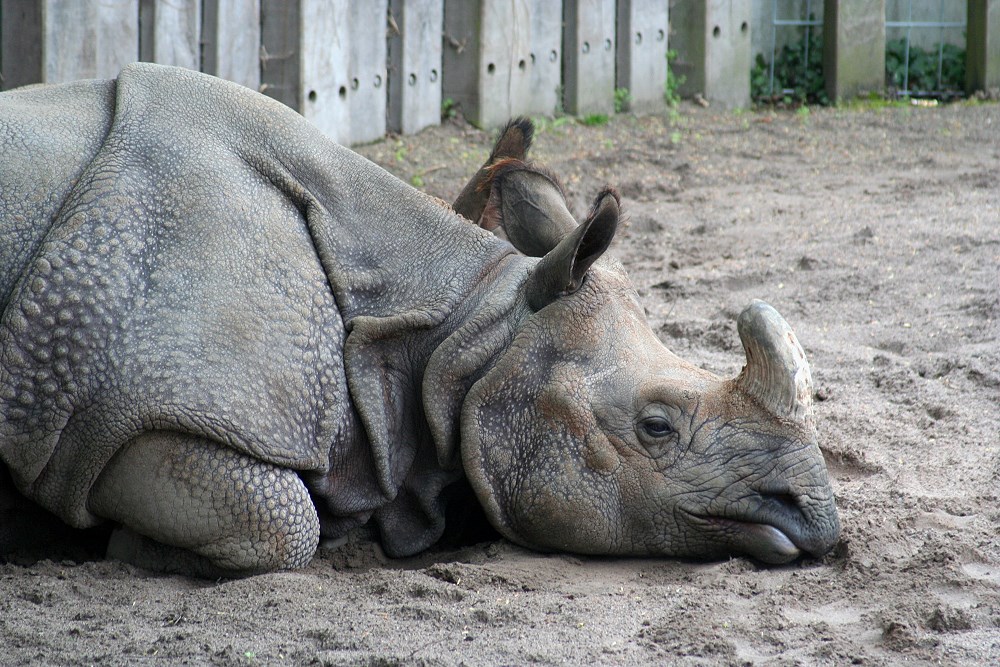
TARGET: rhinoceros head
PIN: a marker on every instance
(589, 436)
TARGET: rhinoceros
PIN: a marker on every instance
(229, 336)
(516, 199)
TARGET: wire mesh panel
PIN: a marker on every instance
(925, 47)
(789, 60)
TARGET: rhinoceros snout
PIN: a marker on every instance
(775, 527)
(795, 525)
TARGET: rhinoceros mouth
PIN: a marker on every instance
(762, 541)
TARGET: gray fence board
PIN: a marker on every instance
(20, 43)
(854, 47)
(170, 32)
(231, 40)
(305, 60)
(117, 36)
(366, 94)
(712, 39)
(279, 35)
(983, 45)
(486, 57)
(545, 83)
(415, 64)
(69, 40)
(51, 41)
(589, 56)
(326, 59)
(641, 66)
(501, 58)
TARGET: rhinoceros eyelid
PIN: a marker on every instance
(656, 427)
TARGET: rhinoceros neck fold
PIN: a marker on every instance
(406, 273)
(427, 301)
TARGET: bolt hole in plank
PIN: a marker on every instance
(355, 83)
(342, 92)
(434, 75)
(378, 81)
(586, 47)
(716, 31)
(412, 79)
(491, 68)
(521, 64)
(744, 27)
(312, 96)
(608, 44)
(638, 38)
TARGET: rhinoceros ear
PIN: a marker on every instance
(562, 270)
(776, 374)
(529, 205)
(513, 142)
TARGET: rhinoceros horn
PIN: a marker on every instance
(776, 373)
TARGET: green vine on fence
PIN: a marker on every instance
(671, 92)
(923, 71)
(798, 74)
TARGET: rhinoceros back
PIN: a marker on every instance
(159, 283)
(48, 135)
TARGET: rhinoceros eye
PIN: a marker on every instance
(656, 427)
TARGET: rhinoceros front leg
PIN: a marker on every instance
(192, 506)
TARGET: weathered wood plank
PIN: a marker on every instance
(366, 95)
(20, 43)
(170, 32)
(415, 64)
(589, 56)
(712, 39)
(983, 45)
(546, 58)
(641, 66)
(53, 41)
(305, 60)
(231, 40)
(853, 48)
(485, 59)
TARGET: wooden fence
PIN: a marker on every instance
(357, 68)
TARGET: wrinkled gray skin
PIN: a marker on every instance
(227, 335)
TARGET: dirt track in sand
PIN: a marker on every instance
(876, 233)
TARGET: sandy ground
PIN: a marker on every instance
(875, 232)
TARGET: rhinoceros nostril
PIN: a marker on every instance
(785, 501)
